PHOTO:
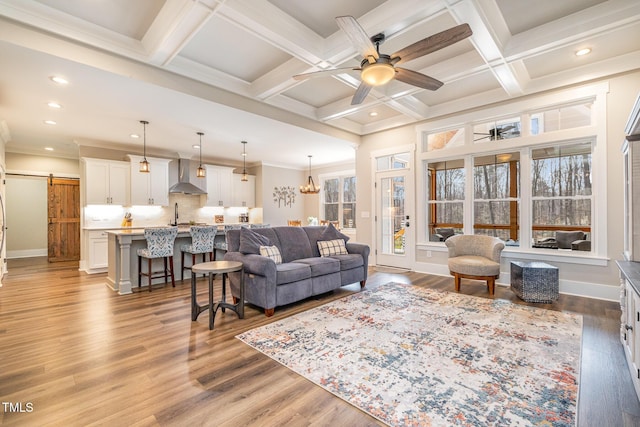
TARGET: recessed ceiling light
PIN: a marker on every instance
(584, 51)
(373, 113)
(59, 80)
(48, 148)
(134, 136)
(50, 122)
(54, 105)
(195, 146)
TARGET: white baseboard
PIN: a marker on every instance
(27, 253)
(568, 287)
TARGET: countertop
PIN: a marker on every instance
(631, 271)
(137, 231)
(220, 226)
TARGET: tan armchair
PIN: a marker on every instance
(474, 257)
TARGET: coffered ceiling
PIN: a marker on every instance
(225, 67)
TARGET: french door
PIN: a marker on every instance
(394, 219)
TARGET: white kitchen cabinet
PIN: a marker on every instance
(106, 182)
(150, 188)
(219, 185)
(97, 251)
(630, 325)
(243, 192)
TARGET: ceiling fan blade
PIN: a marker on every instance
(432, 43)
(325, 73)
(357, 36)
(361, 93)
(417, 79)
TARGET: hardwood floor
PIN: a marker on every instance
(73, 352)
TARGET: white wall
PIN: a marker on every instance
(277, 212)
(26, 209)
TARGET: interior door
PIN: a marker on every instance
(63, 208)
(394, 219)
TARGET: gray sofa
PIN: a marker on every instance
(302, 273)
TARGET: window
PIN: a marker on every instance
(445, 205)
(561, 196)
(561, 191)
(496, 190)
(395, 161)
(566, 117)
(339, 200)
(497, 130)
(445, 139)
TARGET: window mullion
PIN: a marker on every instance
(525, 199)
(468, 212)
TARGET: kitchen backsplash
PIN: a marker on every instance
(189, 209)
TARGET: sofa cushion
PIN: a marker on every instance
(321, 266)
(294, 243)
(271, 252)
(332, 247)
(250, 241)
(332, 233)
(292, 272)
(473, 265)
(349, 261)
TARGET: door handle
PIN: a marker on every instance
(407, 224)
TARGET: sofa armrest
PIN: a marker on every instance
(362, 249)
(581, 245)
(254, 264)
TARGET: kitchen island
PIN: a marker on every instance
(123, 245)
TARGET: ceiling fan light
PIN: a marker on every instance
(377, 74)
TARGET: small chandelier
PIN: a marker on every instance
(245, 177)
(311, 187)
(144, 164)
(200, 172)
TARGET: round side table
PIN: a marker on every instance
(211, 269)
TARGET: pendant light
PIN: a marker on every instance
(245, 177)
(200, 172)
(144, 164)
(310, 187)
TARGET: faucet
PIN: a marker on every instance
(175, 214)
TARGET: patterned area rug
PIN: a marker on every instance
(412, 356)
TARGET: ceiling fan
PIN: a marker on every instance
(499, 132)
(377, 69)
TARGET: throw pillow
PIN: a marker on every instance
(271, 252)
(332, 233)
(332, 247)
(250, 241)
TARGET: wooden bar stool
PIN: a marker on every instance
(202, 238)
(160, 242)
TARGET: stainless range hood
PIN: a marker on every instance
(183, 179)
